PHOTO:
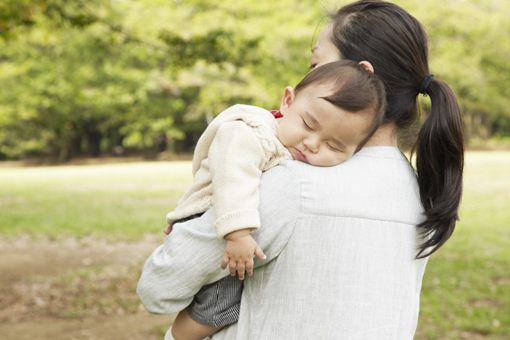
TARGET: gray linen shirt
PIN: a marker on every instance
(340, 243)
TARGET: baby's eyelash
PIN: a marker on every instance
(312, 66)
(308, 127)
(334, 148)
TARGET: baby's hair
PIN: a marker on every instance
(353, 89)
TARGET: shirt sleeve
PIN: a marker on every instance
(235, 159)
(190, 256)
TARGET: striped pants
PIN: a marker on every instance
(218, 303)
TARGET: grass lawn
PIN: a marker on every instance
(112, 200)
(466, 291)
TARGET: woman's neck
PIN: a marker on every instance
(385, 135)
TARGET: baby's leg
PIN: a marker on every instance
(185, 328)
(215, 306)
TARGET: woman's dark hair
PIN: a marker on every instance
(354, 89)
(395, 43)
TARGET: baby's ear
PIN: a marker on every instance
(288, 98)
(367, 66)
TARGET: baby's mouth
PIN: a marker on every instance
(298, 155)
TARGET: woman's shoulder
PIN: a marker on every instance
(377, 184)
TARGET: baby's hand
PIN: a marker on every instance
(168, 228)
(239, 252)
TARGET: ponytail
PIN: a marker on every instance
(395, 43)
(439, 153)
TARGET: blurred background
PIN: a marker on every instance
(101, 103)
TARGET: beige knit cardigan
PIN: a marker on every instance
(229, 158)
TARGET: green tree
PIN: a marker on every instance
(93, 77)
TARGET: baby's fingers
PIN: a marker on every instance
(232, 267)
(240, 270)
(168, 229)
(224, 261)
(249, 267)
(259, 253)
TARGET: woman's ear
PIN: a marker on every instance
(367, 66)
(288, 98)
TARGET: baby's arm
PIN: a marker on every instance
(236, 159)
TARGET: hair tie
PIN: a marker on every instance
(425, 84)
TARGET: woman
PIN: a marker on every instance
(346, 246)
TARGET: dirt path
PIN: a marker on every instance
(83, 289)
(74, 289)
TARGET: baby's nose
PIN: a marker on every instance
(312, 144)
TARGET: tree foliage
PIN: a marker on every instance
(89, 77)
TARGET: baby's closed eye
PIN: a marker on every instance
(334, 147)
(306, 125)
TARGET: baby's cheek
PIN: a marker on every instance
(322, 159)
(284, 134)
(337, 158)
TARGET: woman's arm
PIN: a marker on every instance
(191, 255)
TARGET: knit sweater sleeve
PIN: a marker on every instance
(235, 159)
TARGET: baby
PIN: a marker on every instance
(323, 121)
